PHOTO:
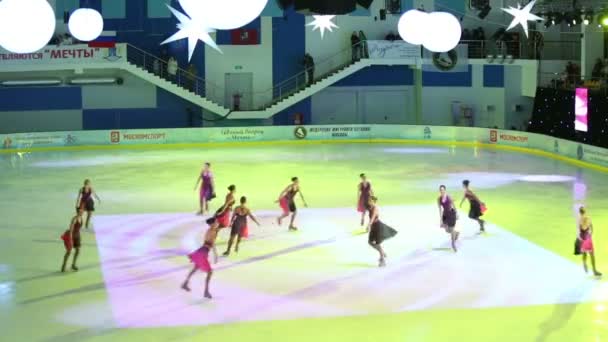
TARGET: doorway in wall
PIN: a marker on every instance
(239, 90)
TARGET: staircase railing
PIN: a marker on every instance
(183, 78)
(259, 100)
(301, 80)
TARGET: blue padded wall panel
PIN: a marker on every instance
(494, 76)
(288, 40)
(44, 98)
(379, 75)
(286, 116)
(448, 79)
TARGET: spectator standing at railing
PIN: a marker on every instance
(172, 68)
(596, 73)
(192, 72)
(236, 101)
(391, 37)
(479, 37)
(164, 58)
(354, 43)
(309, 66)
(156, 67)
(364, 50)
(605, 69)
(536, 42)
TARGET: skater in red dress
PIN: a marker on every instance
(585, 232)
(224, 213)
(378, 231)
(200, 257)
(239, 225)
(363, 195)
(206, 193)
(287, 202)
(71, 240)
(84, 200)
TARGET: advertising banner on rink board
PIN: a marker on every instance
(586, 153)
(138, 137)
(333, 132)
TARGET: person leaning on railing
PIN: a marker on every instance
(172, 68)
(355, 42)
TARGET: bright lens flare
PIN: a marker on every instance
(26, 26)
(323, 23)
(521, 16)
(86, 24)
(194, 30)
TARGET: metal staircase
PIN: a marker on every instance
(199, 91)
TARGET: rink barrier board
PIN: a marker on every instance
(525, 150)
(530, 143)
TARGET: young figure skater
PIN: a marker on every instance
(84, 200)
(287, 202)
(71, 239)
(585, 232)
(364, 192)
(206, 193)
(200, 257)
(475, 211)
(447, 215)
(378, 231)
(224, 213)
(239, 225)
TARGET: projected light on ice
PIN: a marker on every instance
(581, 109)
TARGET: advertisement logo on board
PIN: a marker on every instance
(300, 132)
(70, 139)
(428, 134)
(112, 55)
(493, 136)
(115, 137)
(7, 143)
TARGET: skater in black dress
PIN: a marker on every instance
(364, 192)
(475, 211)
(85, 202)
(378, 231)
(447, 215)
(239, 225)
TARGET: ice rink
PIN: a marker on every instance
(518, 282)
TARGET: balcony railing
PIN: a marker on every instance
(571, 81)
(548, 50)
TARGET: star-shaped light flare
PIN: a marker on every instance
(192, 29)
(323, 23)
(521, 16)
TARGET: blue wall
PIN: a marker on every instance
(286, 117)
(288, 39)
(40, 98)
(170, 112)
(379, 75)
(447, 79)
(494, 76)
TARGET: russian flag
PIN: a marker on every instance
(107, 39)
